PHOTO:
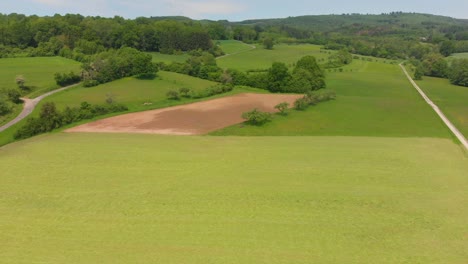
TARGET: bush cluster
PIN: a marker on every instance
(8, 99)
(256, 117)
(313, 98)
(210, 91)
(64, 79)
(50, 118)
(116, 64)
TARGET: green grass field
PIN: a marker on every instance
(233, 46)
(452, 100)
(374, 99)
(107, 198)
(38, 72)
(261, 58)
(372, 177)
(460, 55)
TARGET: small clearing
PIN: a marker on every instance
(192, 119)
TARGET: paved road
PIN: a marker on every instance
(447, 122)
(29, 105)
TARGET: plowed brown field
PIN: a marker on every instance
(191, 119)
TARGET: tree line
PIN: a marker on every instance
(48, 36)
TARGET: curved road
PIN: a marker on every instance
(447, 122)
(30, 104)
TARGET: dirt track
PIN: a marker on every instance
(439, 112)
(192, 119)
(30, 104)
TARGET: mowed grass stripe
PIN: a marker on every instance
(145, 199)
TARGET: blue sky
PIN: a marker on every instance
(233, 10)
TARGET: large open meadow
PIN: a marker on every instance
(374, 99)
(38, 72)
(452, 100)
(121, 198)
(261, 58)
(371, 177)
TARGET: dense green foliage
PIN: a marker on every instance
(116, 64)
(119, 198)
(64, 79)
(50, 118)
(458, 73)
(49, 36)
(306, 76)
(256, 117)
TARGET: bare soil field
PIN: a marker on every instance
(192, 119)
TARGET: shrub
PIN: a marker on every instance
(213, 90)
(50, 118)
(301, 103)
(282, 108)
(5, 106)
(256, 117)
(173, 95)
(64, 79)
(14, 95)
(90, 83)
(184, 92)
(20, 81)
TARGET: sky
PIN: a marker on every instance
(233, 10)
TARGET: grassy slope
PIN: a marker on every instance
(38, 72)
(106, 198)
(460, 55)
(233, 46)
(375, 99)
(261, 58)
(452, 99)
(129, 91)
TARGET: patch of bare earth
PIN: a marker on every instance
(191, 119)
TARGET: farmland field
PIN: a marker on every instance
(374, 99)
(146, 198)
(233, 46)
(38, 72)
(132, 92)
(452, 100)
(261, 58)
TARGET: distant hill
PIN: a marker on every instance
(396, 22)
